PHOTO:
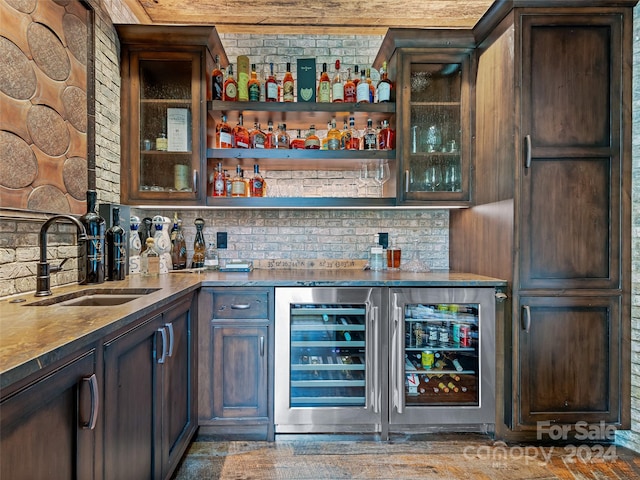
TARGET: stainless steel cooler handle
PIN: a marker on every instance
(396, 362)
(374, 391)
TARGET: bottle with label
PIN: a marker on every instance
(230, 88)
(116, 249)
(349, 88)
(354, 140)
(270, 140)
(370, 137)
(298, 142)
(312, 142)
(162, 143)
(162, 242)
(384, 85)
(219, 184)
(271, 86)
(146, 231)
(333, 137)
(372, 88)
(224, 134)
(135, 246)
(197, 261)
(240, 135)
(256, 184)
(282, 137)
(324, 86)
(337, 87)
(211, 257)
(386, 137)
(92, 268)
(376, 255)
(356, 75)
(257, 138)
(288, 85)
(237, 184)
(254, 85)
(179, 249)
(345, 136)
(150, 261)
(217, 80)
(362, 90)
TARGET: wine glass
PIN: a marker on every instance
(382, 174)
(433, 176)
(415, 264)
(366, 175)
(452, 177)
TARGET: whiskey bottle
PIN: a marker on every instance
(384, 85)
(224, 134)
(288, 86)
(349, 89)
(197, 261)
(324, 86)
(354, 142)
(312, 142)
(271, 86)
(345, 136)
(362, 90)
(257, 138)
(298, 142)
(219, 185)
(150, 260)
(333, 137)
(256, 184)
(356, 75)
(237, 184)
(337, 87)
(254, 85)
(372, 89)
(386, 137)
(282, 137)
(370, 136)
(92, 270)
(179, 249)
(270, 140)
(240, 135)
(116, 249)
(135, 246)
(217, 81)
(230, 88)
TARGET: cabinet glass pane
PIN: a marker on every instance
(165, 125)
(435, 109)
(441, 354)
(328, 347)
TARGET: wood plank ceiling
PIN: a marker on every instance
(371, 17)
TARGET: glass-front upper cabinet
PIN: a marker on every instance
(435, 108)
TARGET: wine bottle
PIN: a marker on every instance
(116, 249)
(92, 269)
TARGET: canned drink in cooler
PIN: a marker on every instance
(427, 359)
(455, 333)
(465, 336)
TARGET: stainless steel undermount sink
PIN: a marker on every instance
(94, 297)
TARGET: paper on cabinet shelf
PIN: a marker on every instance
(178, 129)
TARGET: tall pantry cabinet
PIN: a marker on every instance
(552, 206)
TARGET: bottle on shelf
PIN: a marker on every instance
(362, 89)
(333, 137)
(217, 80)
(238, 187)
(288, 85)
(384, 85)
(270, 140)
(227, 183)
(219, 184)
(257, 138)
(349, 88)
(135, 245)
(271, 86)
(325, 140)
(162, 143)
(240, 134)
(179, 248)
(312, 142)
(224, 134)
(282, 137)
(199, 246)
(354, 141)
(345, 136)
(372, 88)
(92, 268)
(256, 183)
(150, 260)
(211, 257)
(145, 231)
(116, 249)
(243, 78)
(230, 88)
(370, 136)
(356, 75)
(254, 85)
(376, 255)
(386, 137)
(298, 142)
(337, 87)
(324, 86)
(162, 242)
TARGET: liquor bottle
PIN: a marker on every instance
(324, 86)
(227, 183)
(254, 85)
(345, 136)
(271, 87)
(370, 136)
(282, 137)
(217, 81)
(362, 90)
(93, 247)
(337, 87)
(211, 257)
(116, 249)
(386, 137)
(257, 138)
(312, 142)
(199, 246)
(298, 142)
(349, 89)
(372, 89)
(219, 185)
(224, 134)
(149, 260)
(243, 78)
(325, 140)
(162, 242)
(240, 135)
(356, 75)
(145, 231)
(256, 183)
(270, 140)
(135, 246)
(162, 143)
(288, 85)
(333, 137)
(237, 184)
(179, 249)
(230, 88)
(384, 85)
(354, 141)
(246, 181)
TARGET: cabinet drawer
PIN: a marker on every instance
(240, 304)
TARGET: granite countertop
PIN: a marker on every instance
(33, 337)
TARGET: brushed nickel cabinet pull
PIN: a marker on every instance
(262, 346)
(527, 151)
(195, 182)
(526, 318)
(406, 181)
(241, 306)
(163, 357)
(170, 328)
(95, 402)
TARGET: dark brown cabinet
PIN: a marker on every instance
(150, 394)
(552, 212)
(236, 362)
(48, 427)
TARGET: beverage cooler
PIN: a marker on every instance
(382, 360)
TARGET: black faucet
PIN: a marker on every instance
(43, 281)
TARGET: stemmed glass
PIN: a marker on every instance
(415, 264)
(452, 176)
(365, 176)
(433, 176)
(382, 174)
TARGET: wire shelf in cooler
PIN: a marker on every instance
(451, 348)
(327, 327)
(327, 383)
(327, 344)
(314, 312)
(327, 366)
(324, 401)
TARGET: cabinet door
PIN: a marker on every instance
(435, 128)
(569, 359)
(162, 117)
(47, 429)
(132, 428)
(571, 175)
(239, 371)
(178, 395)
